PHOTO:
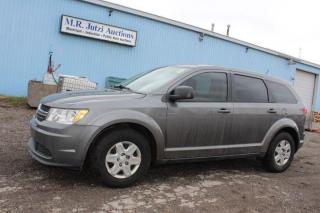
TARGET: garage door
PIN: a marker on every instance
(304, 83)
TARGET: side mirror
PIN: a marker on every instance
(182, 92)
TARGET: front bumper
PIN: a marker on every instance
(59, 145)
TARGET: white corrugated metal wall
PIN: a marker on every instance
(304, 85)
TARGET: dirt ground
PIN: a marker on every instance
(217, 186)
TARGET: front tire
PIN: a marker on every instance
(280, 153)
(121, 157)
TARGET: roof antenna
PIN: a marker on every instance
(212, 27)
(300, 50)
(228, 29)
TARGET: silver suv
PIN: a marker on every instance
(175, 113)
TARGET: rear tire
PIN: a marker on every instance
(121, 157)
(280, 153)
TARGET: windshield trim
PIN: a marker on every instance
(184, 70)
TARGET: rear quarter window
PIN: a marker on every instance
(280, 93)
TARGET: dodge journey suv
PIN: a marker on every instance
(170, 114)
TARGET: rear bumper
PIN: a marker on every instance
(301, 142)
(59, 145)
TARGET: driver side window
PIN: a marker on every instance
(208, 87)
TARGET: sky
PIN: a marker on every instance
(287, 26)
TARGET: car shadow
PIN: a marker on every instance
(190, 170)
(158, 174)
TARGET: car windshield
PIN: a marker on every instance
(153, 80)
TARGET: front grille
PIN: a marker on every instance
(42, 149)
(45, 108)
(42, 112)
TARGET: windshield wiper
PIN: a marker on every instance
(121, 86)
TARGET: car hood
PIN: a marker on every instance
(87, 97)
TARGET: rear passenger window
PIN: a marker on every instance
(248, 89)
(208, 87)
(279, 93)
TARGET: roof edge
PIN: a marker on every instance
(199, 30)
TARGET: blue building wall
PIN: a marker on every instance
(30, 29)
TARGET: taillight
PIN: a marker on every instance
(305, 112)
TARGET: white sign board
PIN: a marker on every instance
(90, 29)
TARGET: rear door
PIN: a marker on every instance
(253, 114)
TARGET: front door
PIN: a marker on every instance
(197, 127)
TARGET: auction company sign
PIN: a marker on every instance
(90, 29)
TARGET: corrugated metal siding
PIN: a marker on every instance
(31, 28)
(304, 85)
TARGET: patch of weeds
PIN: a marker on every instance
(13, 100)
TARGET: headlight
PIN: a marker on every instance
(66, 116)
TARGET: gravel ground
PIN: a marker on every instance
(217, 186)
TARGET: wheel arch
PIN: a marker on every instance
(294, 135)
(283, 125)
(128, 119)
